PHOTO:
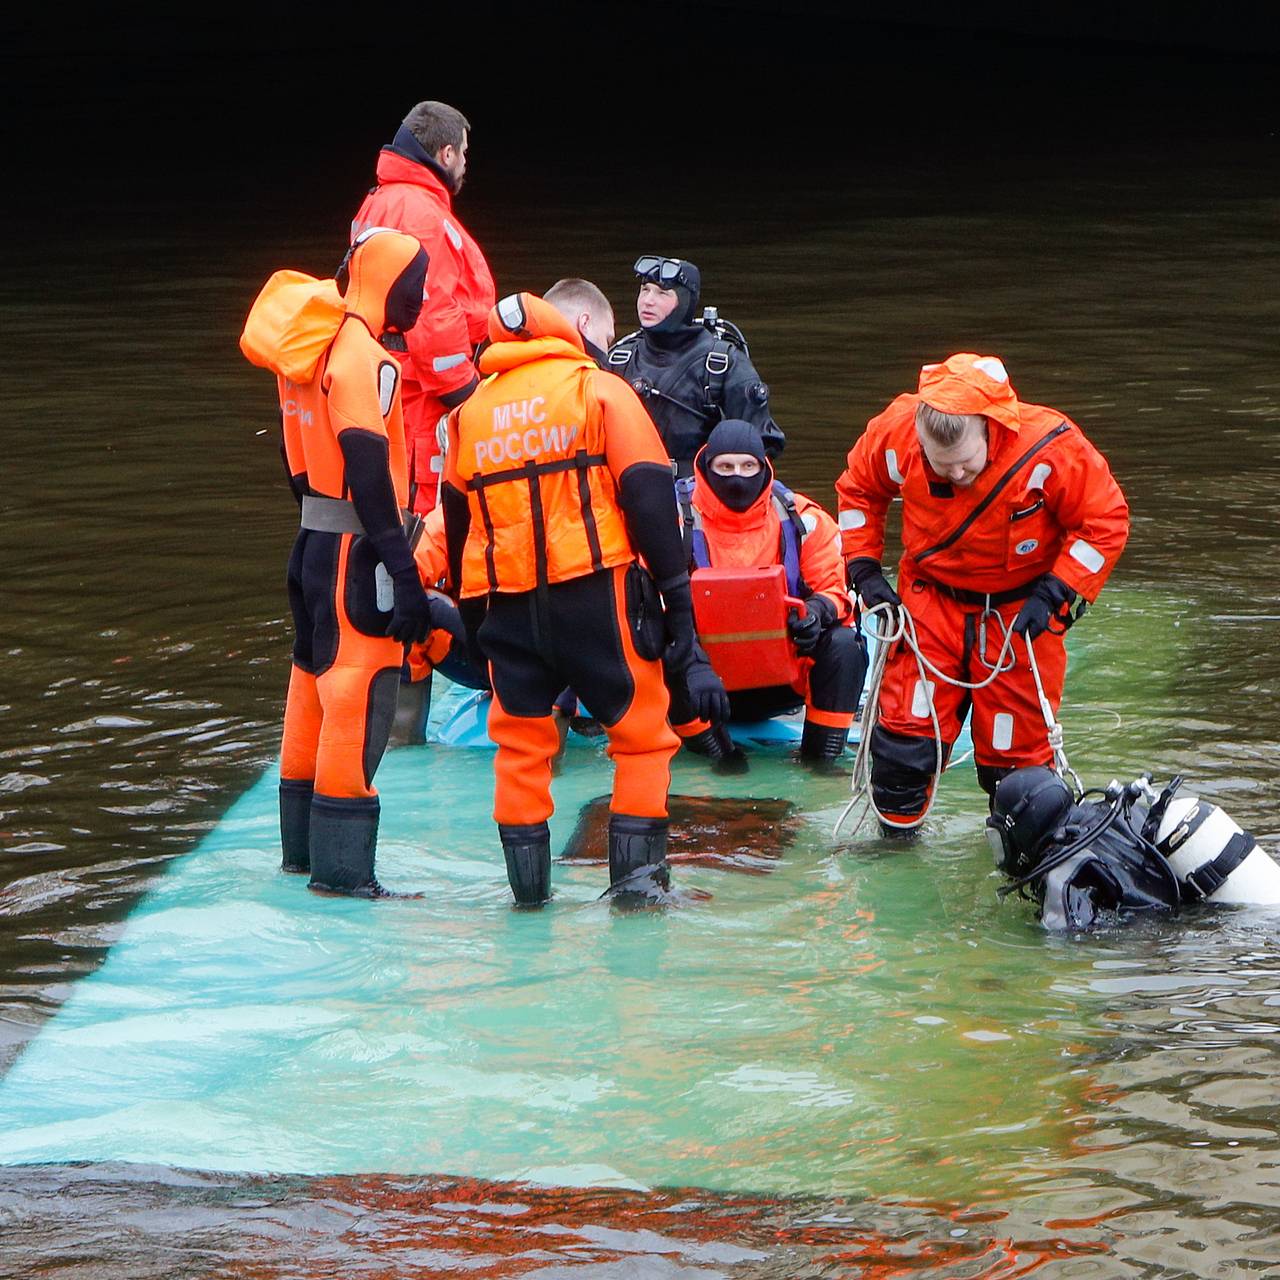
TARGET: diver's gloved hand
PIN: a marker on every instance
(867, 578)
(806, 628)
(707, 696)
(412, 613)
(1046, 599)
(686, 659)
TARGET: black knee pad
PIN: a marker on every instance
(902, 769)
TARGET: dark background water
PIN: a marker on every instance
(1095, 201)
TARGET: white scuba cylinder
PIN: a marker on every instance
(1193, 833)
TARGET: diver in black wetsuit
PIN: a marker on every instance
(690, 373)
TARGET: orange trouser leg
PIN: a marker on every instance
(1008, 724)
(302, 717)
(903, 754)
(522, 767)
(641, 742)
(358, 698)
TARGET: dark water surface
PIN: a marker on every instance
(144, 534)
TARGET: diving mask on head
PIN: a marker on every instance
(666, 273)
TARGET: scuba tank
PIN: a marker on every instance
(1212, 856)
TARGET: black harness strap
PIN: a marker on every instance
(588, 512)
(490, 568)
(1213, 875)
(999, 486)
(579, 459)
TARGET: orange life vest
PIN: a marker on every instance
(529, 450)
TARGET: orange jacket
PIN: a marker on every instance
(355, 383)
(539, 450)
(752, 538)
(460, 291)
(1061, 511)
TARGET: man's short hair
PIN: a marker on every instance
(572, 296)
(437, 125)
(944, 428)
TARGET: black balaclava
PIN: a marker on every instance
(734, 436)
(688, 295)
(404, 300)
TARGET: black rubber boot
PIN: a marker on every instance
(413, 706)
(295, 825)
(638, 872)
(716, 743)
(821, 744)
(902, 835)
(344, 839)
(527, 849)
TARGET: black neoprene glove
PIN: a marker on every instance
(411, 615)
(1046, 600)
(806, 628)
(867, 578)
(686, 659)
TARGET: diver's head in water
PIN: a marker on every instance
(733, 464)
(1028, 806)
(669, 292)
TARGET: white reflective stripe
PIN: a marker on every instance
(1090, 557)
(437, 463)
(387, 375)
(1041, 473)
(853, 518)
(810, 521)
(922, 699)
(1002, 731)
(368, 233)
(992, 368)
(891, 461)
(511, 313)
(455, 236)
(441, 363)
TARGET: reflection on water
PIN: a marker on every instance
(144, 665)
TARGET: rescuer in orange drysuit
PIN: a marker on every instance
(737, 515)
(1007, 510)
(354, 589)
(419, 173)
(555, 479)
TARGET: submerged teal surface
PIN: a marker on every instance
(834, 1025)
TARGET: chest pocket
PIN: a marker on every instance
(1031, 531)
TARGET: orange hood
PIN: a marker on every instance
(377, 259)
(967, 383)
(522, 327)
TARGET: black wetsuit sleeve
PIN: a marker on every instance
(647, 497)
(297, 483)
(746, 396)
(368, 469)
(457, 528)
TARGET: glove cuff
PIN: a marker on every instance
(862, 568)
(393, 551)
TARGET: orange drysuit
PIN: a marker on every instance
(345, 452)
(550, 452)
(1045, 503)
(438, 365)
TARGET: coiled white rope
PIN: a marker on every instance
(902, 628)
